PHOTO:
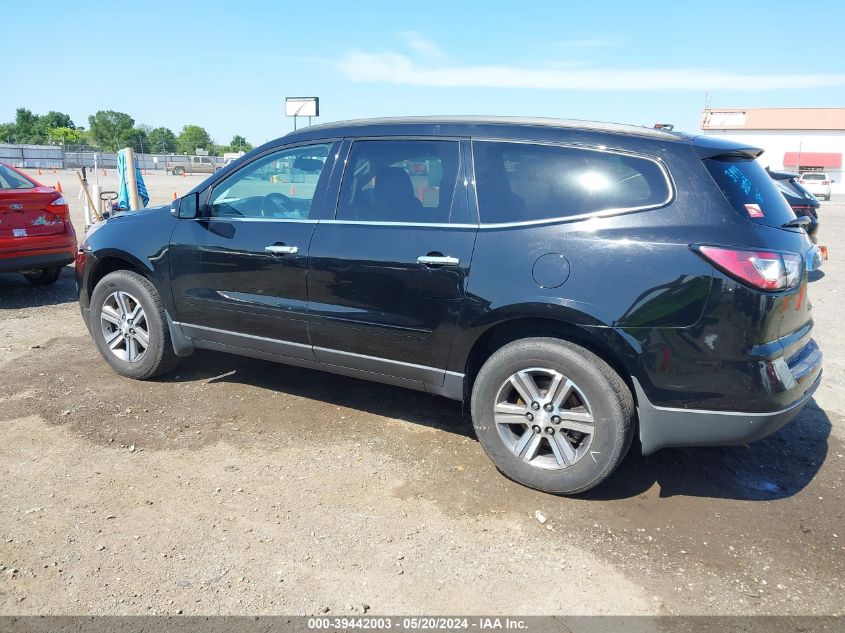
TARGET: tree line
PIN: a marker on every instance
(110, 131)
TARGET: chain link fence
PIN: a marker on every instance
(76, 157)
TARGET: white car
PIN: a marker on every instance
(817, 184)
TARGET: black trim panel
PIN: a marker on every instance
(661, 427)
(26, 262)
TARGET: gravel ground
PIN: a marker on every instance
(238, 486)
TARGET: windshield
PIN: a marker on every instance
(10, 179)
(750, 190)
(813, 177)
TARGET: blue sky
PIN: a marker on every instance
(227, 66)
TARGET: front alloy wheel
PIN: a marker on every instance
(125, 327)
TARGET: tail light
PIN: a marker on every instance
(59, 205)
(763, 270)
(825, 182)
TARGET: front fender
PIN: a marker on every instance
(135, 240)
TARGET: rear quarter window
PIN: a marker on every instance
(750, 190)
(525, 182)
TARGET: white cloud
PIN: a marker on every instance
(422, 46)
(587, 42)
(397, 68)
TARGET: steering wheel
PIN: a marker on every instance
(279, 201)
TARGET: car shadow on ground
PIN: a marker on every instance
(815, 275)
(369, 397)
(776, 467)
(16, 292)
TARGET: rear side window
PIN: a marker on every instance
(402, 181)
(10, 179)
(750, 190)
(524, 182)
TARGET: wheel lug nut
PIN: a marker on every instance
(548, 406)
(529, 417)
(550, 430)
(555, 419)
(535, 405)
(535, 428)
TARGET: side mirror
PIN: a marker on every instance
(186, 207)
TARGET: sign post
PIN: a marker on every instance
(302, 106)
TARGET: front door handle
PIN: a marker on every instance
(438, 260)
(281, 249)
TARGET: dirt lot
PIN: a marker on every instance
(240, 486)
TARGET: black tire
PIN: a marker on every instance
(178, 171)
(159, 357)
(43, 276)
(611, 404)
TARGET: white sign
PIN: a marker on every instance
(302, 106)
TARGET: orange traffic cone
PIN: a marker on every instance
(184, 174)
(292, 190)
(59, 187)
(174, 195)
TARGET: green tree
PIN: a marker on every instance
(107, 126)
(239, 144)
(35, 129)
(66, 136)
(192, 137)
(161, 141)
(136, 138)
(7, 133)
(26, 127)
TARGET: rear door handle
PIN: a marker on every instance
(281, 249)
(438, 260)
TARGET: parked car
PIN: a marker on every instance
(803, 203)
(36, 234)
(573, 283)
(193, 165)
(817, 184)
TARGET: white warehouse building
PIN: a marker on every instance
(794, 139)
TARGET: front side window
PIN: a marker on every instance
(401, 181)
(525, 182)
(280, 185)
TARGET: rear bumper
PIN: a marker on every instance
(40, 260)
(661, 427)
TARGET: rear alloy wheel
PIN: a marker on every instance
(129, 326)
(43, 276)
(544, 418)
(552, 415)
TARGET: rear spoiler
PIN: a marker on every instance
(715, 147)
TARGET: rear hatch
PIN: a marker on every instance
(27, 213)
(754, 195)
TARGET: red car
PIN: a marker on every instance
(36, 235)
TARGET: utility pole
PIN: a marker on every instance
(132, 180)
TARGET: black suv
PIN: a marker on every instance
(575, 283)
